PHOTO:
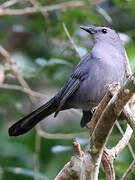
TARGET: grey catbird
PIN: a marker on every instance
(87, 84)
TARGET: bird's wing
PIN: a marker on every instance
(73, 83)
(71, 88)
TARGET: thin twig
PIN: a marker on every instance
(32, 98)
(123, 142)
(46, 135)
(128, 171)
(22, 89)
(31, 10)
(71, 40)
(130, 117)
(16, 71)
(122, 132)
(9, 3)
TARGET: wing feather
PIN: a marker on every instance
(72, 87)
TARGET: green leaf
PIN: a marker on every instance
(26, 172)
(52, 62)
(26, 66)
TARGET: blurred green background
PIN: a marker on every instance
(45, 56)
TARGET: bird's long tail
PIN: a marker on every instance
(29, 121)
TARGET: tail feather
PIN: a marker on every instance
(29, 121)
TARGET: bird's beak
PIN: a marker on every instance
(89, 29)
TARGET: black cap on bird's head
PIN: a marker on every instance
(98, 29)
(102, 34)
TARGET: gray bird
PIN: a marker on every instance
(88, 83)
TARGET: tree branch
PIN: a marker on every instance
(130, 116)
(9, 3)
(123, 142)
(92, 157)
(102, 105)
(107, 161)
(32, 98)
(16, 71)
(111, 112)
(66, 173)
(107, 120)
(128, 171)
(46, 135)
(22, 89)
(70, 169)
(123, 134)
(110, 154)
(45, 9)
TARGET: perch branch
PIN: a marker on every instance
(110, 154)
(107, 161)
(107, 120)
(101, 107)
(69, 170)
(66, 173)
(77, 149)
(112, 110)
(102, 130)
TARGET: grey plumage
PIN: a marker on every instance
(88, 83)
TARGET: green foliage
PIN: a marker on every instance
(126, 5)
(26, 172)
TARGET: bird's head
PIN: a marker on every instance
(102, 34)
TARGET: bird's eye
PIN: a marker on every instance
(104, 31)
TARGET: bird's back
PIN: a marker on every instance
(99, 74)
